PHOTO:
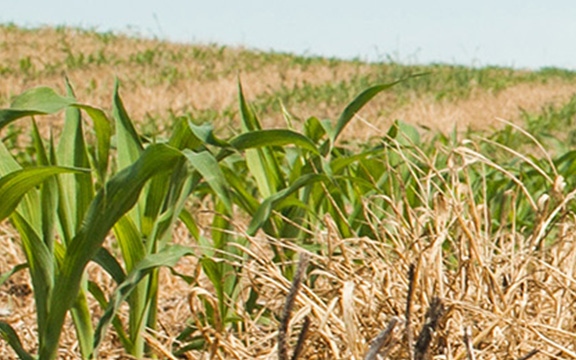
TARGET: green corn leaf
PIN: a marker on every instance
(288, 117)
(249, 120)
(220, 228)
(39, 146)
(4, 277)
(44, 100)
(165, 199)
(393, 131)
(10, 336)
(273, 137)
(8, 116)
(109, 263)
(187, 278)
(82, 318)
(355, 180)
(103, 131)
(49, 205)
(208, 167)
(76, 191)
(48, 191)
(314, 129)
(41, 99)
(340, 164)
(190, 223)
(213, 271)
(7, 162)
(130, 242)
(408, 134)
(181, 184)
(37, 101)
(99, 295)
(240, 191)
(167, 257)
(128, 144)
(41, 263)
(156, 194)
(356, 105)
(265, 170)
(127, 140)
(30, 204)
(182, 136)
(166, 196)
(164, 190)
(260, 161)
(16, 184)
(265, 209)
(205, 134)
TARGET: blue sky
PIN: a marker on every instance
(523, 34)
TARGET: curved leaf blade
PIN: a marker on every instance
(272, 137)
(103, 131)
(16, 184)
(208, 167)
(41, 99)
(263, 213)
(167, 257)
(127, 139)
(357, 104)
(10, 336)
(37, 101)
(5, 276)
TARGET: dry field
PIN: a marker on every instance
(457, 276)
(162, 79)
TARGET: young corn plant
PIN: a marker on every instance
(147, 228)
(64, 220)
(289, 191)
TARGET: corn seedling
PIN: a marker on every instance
(65, 221)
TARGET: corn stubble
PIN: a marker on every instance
(296, 246)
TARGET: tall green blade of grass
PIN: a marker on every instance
(149, 224)
(175, 190)
(50, 195)
(5, 276)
